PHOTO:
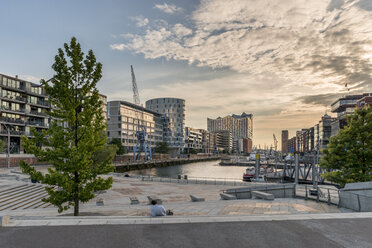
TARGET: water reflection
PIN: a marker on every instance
(201, 169)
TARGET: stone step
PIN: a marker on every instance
(36, 199)
(20, 194)
(19, 200)
(14, 189)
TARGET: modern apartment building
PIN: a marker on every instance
(292, 145)
(366, 100)
(325, 130)
(206, 144)
(240, 126)
(23, 105)
(193, 140)
(173, 109)
(285, 141)
(125, 119)
(344, 106)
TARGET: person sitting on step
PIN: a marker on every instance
(159, 210)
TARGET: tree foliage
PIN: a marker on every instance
(162, 147)
(75, 142)
(349, 153)
(119, 145)
(2, 145)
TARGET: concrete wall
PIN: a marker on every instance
(16, 158)
(357, 196)
(278, 190)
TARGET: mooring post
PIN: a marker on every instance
(297, 166)
(313, 175)
(257, 171)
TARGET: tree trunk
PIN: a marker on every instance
(76, 195)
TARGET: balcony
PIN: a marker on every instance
(17, 99)
(342, 104)
(12, 133)
(30, 91)
(33, 112)
(7, 109)
(40, 104)
(12, 120)
(37, 124)
(21, 88)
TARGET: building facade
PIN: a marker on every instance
(173, 109)
(125, 119)
(345, 106)
(23, 106)
(240, 126)
(284, 141)
(193, 140)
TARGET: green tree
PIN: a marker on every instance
(2, 145)
(76, 136)
(192, 151)
(349, 153)
(162, 147)
(119, 145)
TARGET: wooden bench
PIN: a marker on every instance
(196, 199)
(133, 200)
(225, 196)
(262, 195)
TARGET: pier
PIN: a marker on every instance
(139, 165)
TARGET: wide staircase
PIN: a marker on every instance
(26, 196)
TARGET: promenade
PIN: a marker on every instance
(175, 196)
(284, 222)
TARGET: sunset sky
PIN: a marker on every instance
(284, 61)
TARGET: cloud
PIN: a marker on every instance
(119, 47)
(321, 99)
(30, 78)
(294, 56)
(322, 43)
(141, 21)
(168, 8)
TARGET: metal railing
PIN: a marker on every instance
(40, 103)
(320, 194)
(12, 132)
(12, 120)
(17, 98)
(13, 110)
(38, 124)
(21, 87)
(37, 113)
(185, 179)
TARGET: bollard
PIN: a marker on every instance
(297, 166)
(306, 192)
(317, 194)
(329, 198)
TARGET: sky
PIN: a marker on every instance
(284, 61)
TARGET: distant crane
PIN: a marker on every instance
(141, 134)
(136, 98)
(275, 142)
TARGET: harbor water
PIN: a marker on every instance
(207, 169)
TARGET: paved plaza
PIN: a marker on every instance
(14, 200)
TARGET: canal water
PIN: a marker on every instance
(207, 169)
